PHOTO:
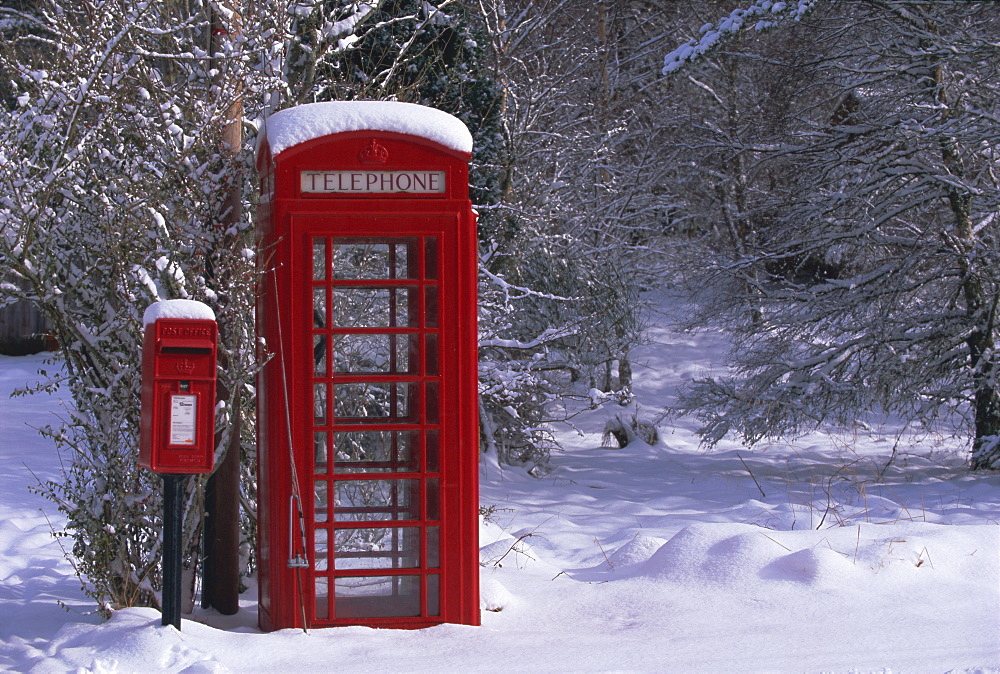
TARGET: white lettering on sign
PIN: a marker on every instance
(183, 410)
(373, 182)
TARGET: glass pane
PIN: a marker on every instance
(319, 259)
(319, 404)
(433, 547)
(432, 402)
(375, 500)
(372, 259)
(433, 500)
(431, 355)
(377, 548)
(366, 402)
(375, 451)
(319, 452)
(319, 307)
(432, 452)
(431, 307)
(371, 307)
(322, 550)
(377, 596)
(319, 355)
(430, 258)
(372, 353)
(407, 349)
(433, 595)
(322, 598)
(321, 504)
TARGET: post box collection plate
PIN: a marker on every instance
(183, 412)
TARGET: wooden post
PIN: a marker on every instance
(221, 566)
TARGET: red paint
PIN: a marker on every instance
(368, 310)
(177, 431)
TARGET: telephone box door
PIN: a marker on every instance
(375, 345)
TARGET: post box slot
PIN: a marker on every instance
(185, 350)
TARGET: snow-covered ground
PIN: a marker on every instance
(807, 556)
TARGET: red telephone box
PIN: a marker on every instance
(177, 428)
(367, 413)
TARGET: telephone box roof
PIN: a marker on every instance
(293, 126)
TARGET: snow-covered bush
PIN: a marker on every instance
(116, 184)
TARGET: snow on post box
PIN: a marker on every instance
(177, 431)
(368, 437)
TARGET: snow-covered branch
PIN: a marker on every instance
(759, 16)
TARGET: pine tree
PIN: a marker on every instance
(874, 276)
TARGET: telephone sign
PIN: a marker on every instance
(373, 182)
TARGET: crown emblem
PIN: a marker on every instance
(185, 366)
(373, 153)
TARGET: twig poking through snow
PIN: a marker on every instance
(762, 494)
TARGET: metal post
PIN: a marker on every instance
(173, 518)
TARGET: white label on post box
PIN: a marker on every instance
(183, 409)
(373, 182)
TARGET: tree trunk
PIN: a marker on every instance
(221, 571)
(981, 313)
(979, 308)
(986, 443)
(624, 373)
(221, 566)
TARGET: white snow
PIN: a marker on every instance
(806, 556)
(346, 26)
(302, 123)
(177, 309)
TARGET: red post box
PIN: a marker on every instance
(177, 432)
(368, 440)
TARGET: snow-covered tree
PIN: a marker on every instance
(873, 274)
(571, 241)
(116, 181)
(557, 292)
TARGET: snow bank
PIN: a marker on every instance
(916, 555)
(636, 552)
(302, 123)
(806, 556)
(176, 309)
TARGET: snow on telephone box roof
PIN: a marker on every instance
(293, 126)
(177, 309)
